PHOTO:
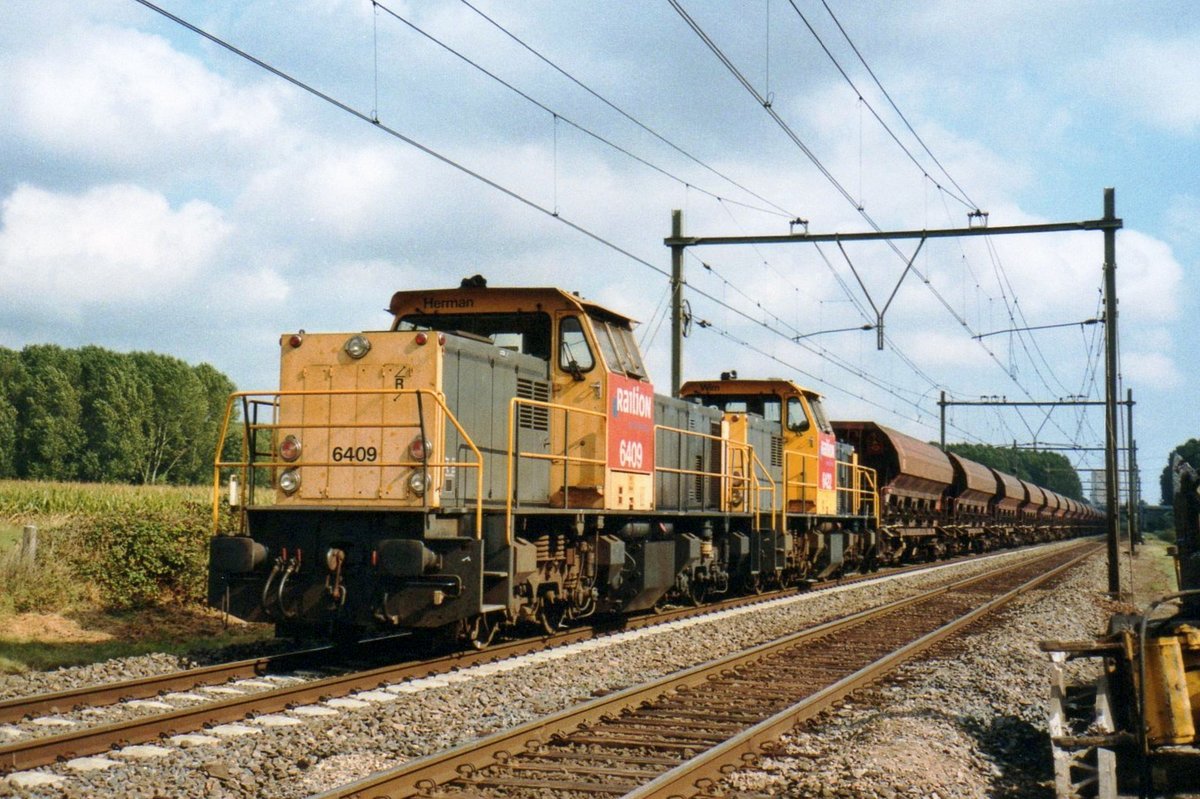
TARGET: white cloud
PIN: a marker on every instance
(117, 96)
(1151, 369)
(1154, 79)
(112, 245)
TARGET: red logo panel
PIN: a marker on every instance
(827, 460)
(630, 425)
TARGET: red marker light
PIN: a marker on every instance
(296, 340)
(422, 339)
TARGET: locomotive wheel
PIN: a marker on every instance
(754, 584)
(552, 616)
(480, 631)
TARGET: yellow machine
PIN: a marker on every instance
(1146, 702)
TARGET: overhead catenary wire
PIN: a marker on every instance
(548, 212)
(899, 113)
(558, 116)
(677, 148)
(373, 120)
(767, 106)
(961, 196)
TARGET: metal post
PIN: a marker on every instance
(942, 410)
(1132, 492)
(1111, 498)
(676, 303)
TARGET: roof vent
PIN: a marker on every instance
(474, 282)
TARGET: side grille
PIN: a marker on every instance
(530, 417)
(776, 451)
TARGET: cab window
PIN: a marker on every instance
(767, 406)
(524, 333)
(797, 419)
(819, 414)
(574, 354)
(607, 347)
(633, 357)
(619, 348)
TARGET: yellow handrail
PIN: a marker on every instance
(514, 454)
(860, 496)
(250, 429)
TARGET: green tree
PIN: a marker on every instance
(1190, 452)
(12, 379)
(215, 389)
(114, 400)
(172, 421)
(50, 434)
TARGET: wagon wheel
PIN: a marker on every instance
(552, 615)
(754, 583)
(480, 631)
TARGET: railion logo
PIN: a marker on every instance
(626, 400)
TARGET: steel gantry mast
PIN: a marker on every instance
(1109, 224)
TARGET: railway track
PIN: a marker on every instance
(261, 698)
(672, 737)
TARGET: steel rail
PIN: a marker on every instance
(701, 773)
(39, 751)
(43, 750)
(423, 775)
(19, 707)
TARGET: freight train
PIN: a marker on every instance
(498, 458)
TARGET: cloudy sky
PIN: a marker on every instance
(159, 192)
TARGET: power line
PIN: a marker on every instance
(766, 105)
(899, 113)
(970, 206)
(558, 116)
(622, 111)
(406, 139)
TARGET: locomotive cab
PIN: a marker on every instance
(827, 501)
(807, 448)
(598, 385)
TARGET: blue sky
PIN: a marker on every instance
(159, 193)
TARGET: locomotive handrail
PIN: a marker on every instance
(860, 497)
(248, 465)
(771, 486)
(514, 454)
(728, 478)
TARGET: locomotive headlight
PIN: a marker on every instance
(419, 449)
(357, 346)
(289, 481)
(417, 483)
(289, 448)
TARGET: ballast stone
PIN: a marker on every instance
(34, 779)
(85, 764)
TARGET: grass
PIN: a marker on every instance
(51, 615)
(10, 536)
(22, 500)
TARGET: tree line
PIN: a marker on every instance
(94, 415)
(1046, 469)
(1189, 451)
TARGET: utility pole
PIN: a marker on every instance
(942, 406)
(1132, 494)
(1111, 223)
(676, 303)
